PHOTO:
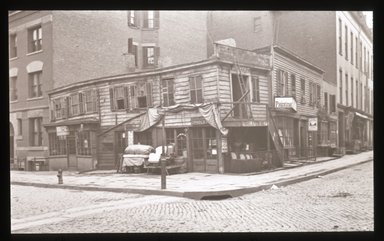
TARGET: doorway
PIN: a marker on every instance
(121, 143)
(71, 147)
(204, 150)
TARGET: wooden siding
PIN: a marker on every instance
(300, 71)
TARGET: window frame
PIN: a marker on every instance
(194, 90)
(346, 42)
(19, 126)
(57, 145)
(35, 39)
(81, 136)
(32, 85)
(13, 45)
(340, 38)
(167, 91)
(13, 88)
(35, 134)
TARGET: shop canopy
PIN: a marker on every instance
(209, 111)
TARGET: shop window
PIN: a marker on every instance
(57, 145)
(13, 88)
(167, 90)
(13, 46)
(35, 84)
(197, 143)
(35, 39)
(151, 19)
(196, 89)
(35, 131)
(181, 142)
(211, 143)
(83, 143)
(255, 90)
(285, 130)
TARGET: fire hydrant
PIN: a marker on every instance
(60, 176)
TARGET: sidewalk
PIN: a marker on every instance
(190, 185)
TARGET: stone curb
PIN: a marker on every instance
(198, 195)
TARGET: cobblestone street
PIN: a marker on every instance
(341, 201)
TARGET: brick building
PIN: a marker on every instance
(51, 49)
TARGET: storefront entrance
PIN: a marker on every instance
(204, 150)
(71, 147)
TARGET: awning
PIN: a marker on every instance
(362, 116)
(73, 122)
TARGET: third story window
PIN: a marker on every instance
(35, 39)
(35, 84)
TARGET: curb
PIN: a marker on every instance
(199, 195)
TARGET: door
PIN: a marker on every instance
(303, 137)
(204, 150)
(120, 144)
(71, 147)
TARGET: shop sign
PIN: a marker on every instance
(198, 121)
(285, 103)
(312, 124)
(224, 145)
(254, 123)
(62, 130)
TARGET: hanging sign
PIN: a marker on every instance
(285, 103)
(312, 124)
(62, 130)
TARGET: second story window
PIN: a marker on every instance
(90, 101)
(13, 88)
(255, 90)
(151, 19)
(196, 89)
(35, 84)
(74, 105)
(119, 98)
(35, 39)
(59, 108)
(293, 86)
(144, 94)
(167, 92)
(13, 46)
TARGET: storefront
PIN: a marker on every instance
(72, 145)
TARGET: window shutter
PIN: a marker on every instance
(145, 57)
(64, 108)
(52, 111)
(81, 103)
(156, 19)
(126, 97)
(157, 55)
(149, 94)
(130, 46)
(112, 99)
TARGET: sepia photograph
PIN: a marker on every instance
(190, 121)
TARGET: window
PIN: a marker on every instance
(150, 56)
(59, 108)
(132, 49)
(364, 61)
(361, 96)
(346, 89)
(144, 138)
(255, 89)
(119, 98)
(35, 84)
(19, 127)
(282, 88)
(133, 19)
(351, 91)
(323, 135)
(57, 145)
(257, 24)
(293, 86)
(310, 94)
(346, 42)
(83, 143)
(35, 39)
(326, 101)
(357, 94)
(167, 92)
(13, 46)
(340, 37)
(151, 19)
(351, 48)
(285, 130)
(332, 103)
(318, 95)
(341, 86)
(13, 88)
(90, 101)
(74, 105)
(35, 134)
(144, 94)
(361, 57)
(196, 89)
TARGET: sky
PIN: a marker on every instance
(368, 18)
